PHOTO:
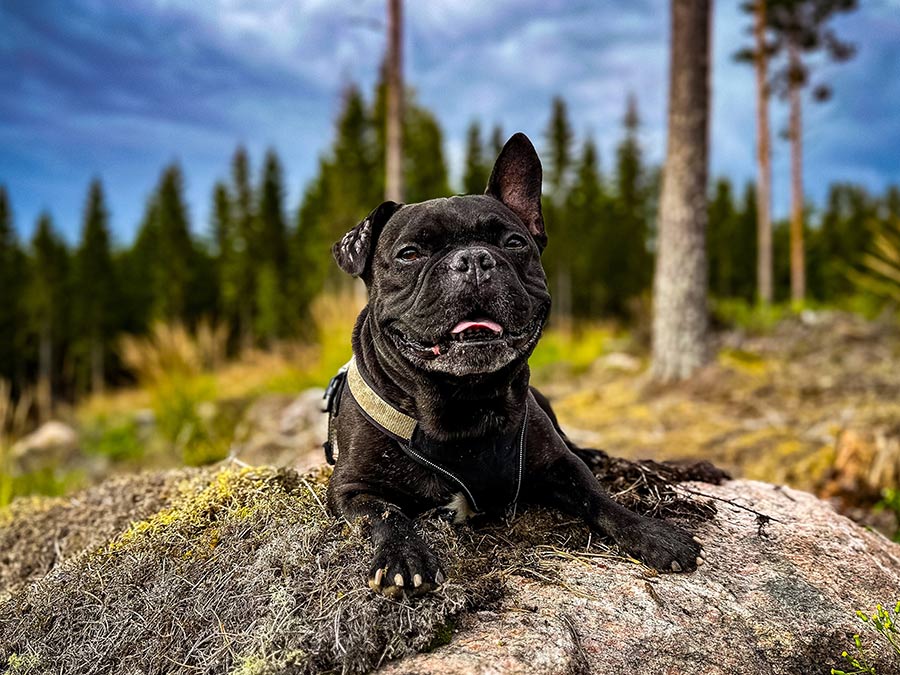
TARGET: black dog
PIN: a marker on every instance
(438, 410)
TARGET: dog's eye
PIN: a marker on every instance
(515, 241)
(408, 254)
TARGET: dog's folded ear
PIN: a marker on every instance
(516, 181)
(353, 252)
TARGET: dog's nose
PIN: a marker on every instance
(473, 263)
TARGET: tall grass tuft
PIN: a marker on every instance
(13, 423)
(176, 366)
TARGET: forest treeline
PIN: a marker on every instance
(258, 264)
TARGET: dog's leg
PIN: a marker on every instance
(567, 483)
(403, 562)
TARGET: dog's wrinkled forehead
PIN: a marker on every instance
(449, 220)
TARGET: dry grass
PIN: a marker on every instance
(13, 424)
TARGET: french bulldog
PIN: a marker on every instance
(457, 300)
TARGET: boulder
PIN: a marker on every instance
(283, 430)
(242, 570)
(52, 444)
(775, 598)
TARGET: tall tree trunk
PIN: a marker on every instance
(764, 288)
(45, 374)
(680, 314)
(97, 380)
(795, 131)
(394, 154)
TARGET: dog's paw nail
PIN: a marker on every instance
(398, 580)
(675, 566)
(417, 580)
(439, 578)
(697, 540)
(379, 574)
(700, 561)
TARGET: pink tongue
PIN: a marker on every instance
(481, 323)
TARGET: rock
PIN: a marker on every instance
(52, 444)
(777, 600)
(620, 361)
(283, 430)
(244, 571)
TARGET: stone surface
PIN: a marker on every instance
(52, 444)
(775, 601)
(283, 430)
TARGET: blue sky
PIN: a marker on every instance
(119, 88)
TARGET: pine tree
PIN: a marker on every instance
(800, 29)
(759, 55)
(680, 314)
(560, 138)
(48, 297)
(12, 267)
(476, 169)
(95, 287)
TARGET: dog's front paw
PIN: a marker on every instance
(405, 566)
(661, 545)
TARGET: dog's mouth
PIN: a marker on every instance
(473, 334)
(476, 330)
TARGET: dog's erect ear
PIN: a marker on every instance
(354, 251)
(516, 181)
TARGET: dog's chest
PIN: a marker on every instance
(480, 477)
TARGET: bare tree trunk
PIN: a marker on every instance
(45, 374)
(97, 380)
(764, 286)
(394, 154)
(798, 263)
(680, 315)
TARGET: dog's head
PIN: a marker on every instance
(456, 285)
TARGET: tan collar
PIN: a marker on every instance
(382, 413)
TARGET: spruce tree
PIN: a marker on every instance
(721, 244)
(95, 288)
(631, 269)
(559, 139)
(245, 237)
(176, 265)
(497, 142)
(48, 298)
(227, 258)
(426, 171)
(476, 170)
(136, 270)
(272, 248)
(587, 214)
(12, 267)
